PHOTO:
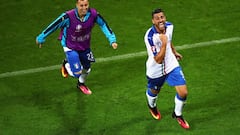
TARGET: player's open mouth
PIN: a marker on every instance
(161, 24)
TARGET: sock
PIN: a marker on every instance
(151, 98)
(179, 103)
(84, 75)
(82, 78)
(67, 66)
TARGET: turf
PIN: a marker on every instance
(45, 104)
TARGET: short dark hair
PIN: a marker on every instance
(157, 10)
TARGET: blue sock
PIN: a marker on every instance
(149, 92)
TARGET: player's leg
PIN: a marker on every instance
(180, 98)
(179, 104)
(86, 58)
(72, 64)
(154, 86)
(176, 78)
(81, 82)
(83, 76)
(76, 67)
(65, 69)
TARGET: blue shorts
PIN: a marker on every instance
(79, 60)
(174, 78)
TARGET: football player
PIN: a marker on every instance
(76, 26)
(162, 65)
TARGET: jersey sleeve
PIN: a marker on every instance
(169, 30)
(61, 21)
(106, 29)
(150, 41)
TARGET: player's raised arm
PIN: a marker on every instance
(107, 31)
(57, 23)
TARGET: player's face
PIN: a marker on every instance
(82, 6)
(159, 20)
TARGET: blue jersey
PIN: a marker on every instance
(64, 22)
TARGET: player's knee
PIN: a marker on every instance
(183, 94)
(182, 91)
(155, 91)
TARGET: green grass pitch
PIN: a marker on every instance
(44, 103)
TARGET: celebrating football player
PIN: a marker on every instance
(162, 65)
(76, 26)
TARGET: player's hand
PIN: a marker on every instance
(178, 56)
(39, 44)
(114, 45)
(163, 38)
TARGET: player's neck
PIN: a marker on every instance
(162, 31)
(81, 16)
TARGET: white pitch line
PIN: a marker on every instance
(120, 57)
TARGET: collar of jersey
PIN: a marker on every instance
(85, 17)
(154, 29)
